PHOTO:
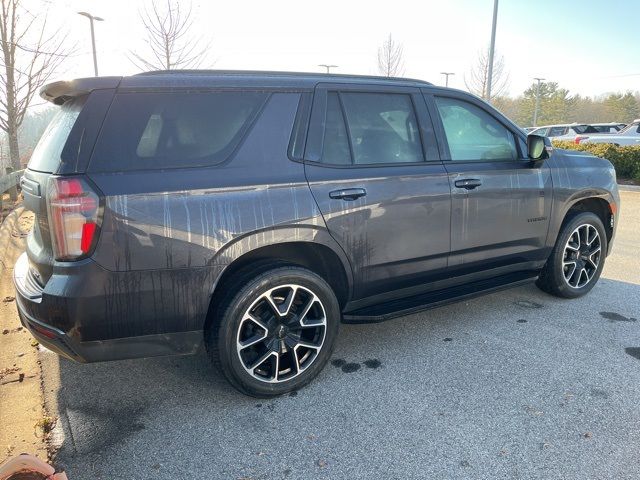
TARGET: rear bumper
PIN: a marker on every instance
(57, 324)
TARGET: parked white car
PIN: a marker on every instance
(566, 131)
(630, 135)
(611, 127)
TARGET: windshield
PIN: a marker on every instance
(46, 154)
(629, 128)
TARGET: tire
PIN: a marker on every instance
(263, 353)
(558, 277)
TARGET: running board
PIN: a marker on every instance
(426, 301)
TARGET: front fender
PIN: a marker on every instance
(576, 177)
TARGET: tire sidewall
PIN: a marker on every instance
(231, 319)
(557, 268)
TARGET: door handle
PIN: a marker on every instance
(468, 183)
(348, 194)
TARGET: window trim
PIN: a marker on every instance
(300, 129)
(315, 137)
(443, 143)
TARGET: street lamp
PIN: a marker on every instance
(535, 111)
(93, 38)
(446, 77)
(492, 49)
(328, 67)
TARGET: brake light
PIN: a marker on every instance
(579, 139)
(74, 217)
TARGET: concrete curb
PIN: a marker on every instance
(629, 188)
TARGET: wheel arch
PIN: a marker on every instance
(318, 255)
(598, 205)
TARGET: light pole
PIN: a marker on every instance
(535, 111)
(492, 49)
(93, 38)
(446, 77)
(328, 67)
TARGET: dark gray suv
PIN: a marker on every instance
(256, 211)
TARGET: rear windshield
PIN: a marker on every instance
(171, 130)
(46, 155)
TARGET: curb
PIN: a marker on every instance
(629, 188)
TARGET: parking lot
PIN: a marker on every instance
(517, 384)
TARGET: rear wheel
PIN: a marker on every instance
(276, 332)
(577, 259)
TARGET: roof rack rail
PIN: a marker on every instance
(277, 73)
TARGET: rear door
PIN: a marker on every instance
(373, 167)
(501, 203)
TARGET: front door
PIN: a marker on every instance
(500, 202)
(374, 170)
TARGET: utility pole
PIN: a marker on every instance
(328, 67)
(93, 38)
(446, 77)
(492, 49)
(535, 111)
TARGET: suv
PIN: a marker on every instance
(564, 132)
(256, 211)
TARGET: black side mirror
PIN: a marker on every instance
(538, 148)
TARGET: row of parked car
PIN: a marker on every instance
(615, 133)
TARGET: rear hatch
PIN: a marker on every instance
(63, 151)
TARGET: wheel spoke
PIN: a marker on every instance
(570, 246)
(308, 345)
(591, 239)
(303, 317)
(277, 370)
(595, 262)
(570, 273)
(262, 359)
(257, 321)
(583, 272)
(289, 301)
(252, 341)
(272, 304)
(296, 363)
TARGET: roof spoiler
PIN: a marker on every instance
(60, 92)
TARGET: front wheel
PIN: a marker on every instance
(276, 333)
(577, 259)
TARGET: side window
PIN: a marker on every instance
(173, 130)
(556, 131)
(382, 128)
(335, 148)
(473, 134)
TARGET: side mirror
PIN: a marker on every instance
(538, 148)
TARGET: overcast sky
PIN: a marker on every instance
(587, 46)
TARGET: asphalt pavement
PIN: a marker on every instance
(517, 384)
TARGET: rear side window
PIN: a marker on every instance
(557, 131)
(375, 128)
(46, 154)
(172, 130)
(473, 134)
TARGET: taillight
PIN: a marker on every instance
(579, 139)
(74, 217)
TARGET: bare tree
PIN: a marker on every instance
(170, 43)
(390, 61)
(477, 79)
(31, 53)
